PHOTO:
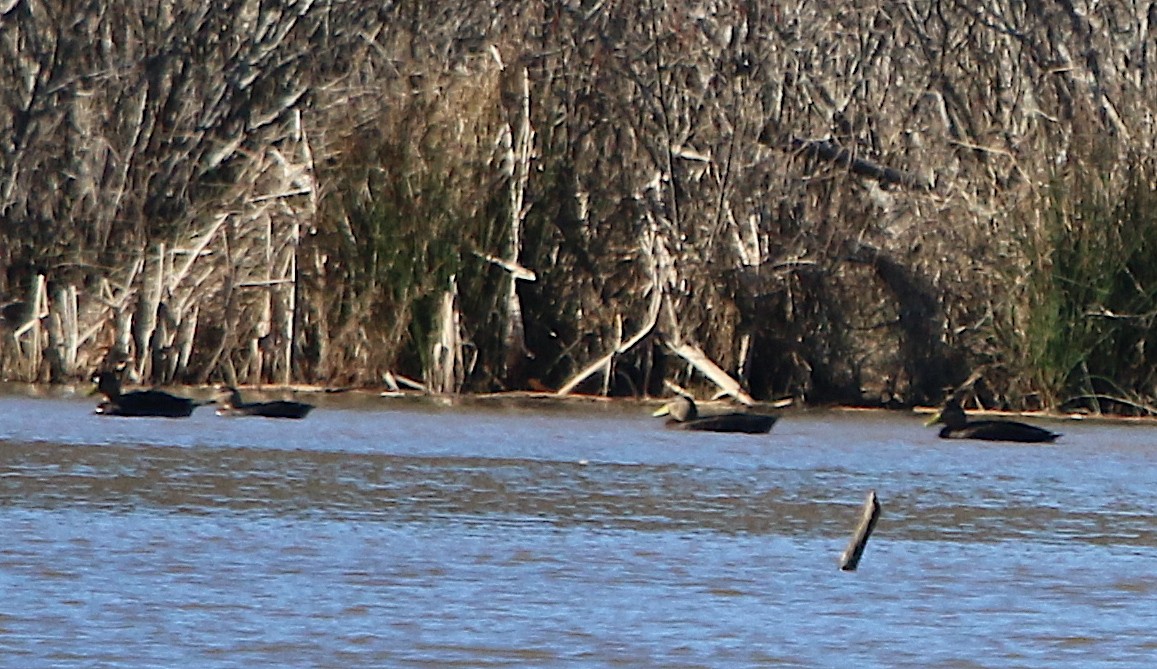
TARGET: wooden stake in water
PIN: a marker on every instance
(855, 550)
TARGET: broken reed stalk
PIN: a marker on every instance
(855, 550)
(34, 324)
(520, 154)
(604, 363)
(447, 364)
(147, 310)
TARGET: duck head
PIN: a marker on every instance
(681, 409)
(951, 415)
(228, 397)
(106, 382)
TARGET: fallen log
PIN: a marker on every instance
(604, 363)
(855, 550)
(699, 360)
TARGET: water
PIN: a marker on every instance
(391, 534)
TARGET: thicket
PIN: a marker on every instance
(868, 202)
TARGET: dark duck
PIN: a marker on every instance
(229, 403)
(684, 415)
(140, 402)
(957, 426)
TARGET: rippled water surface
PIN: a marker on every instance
(391, 534)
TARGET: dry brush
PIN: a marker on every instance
(860, 202)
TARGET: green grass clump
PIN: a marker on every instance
(1094, 297)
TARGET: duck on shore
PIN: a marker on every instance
(229, 403)
(138, 403)
(957, 426)
(684, 415)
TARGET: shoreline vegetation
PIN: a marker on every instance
(873, 205)
(363, 397)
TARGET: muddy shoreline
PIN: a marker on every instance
(530, 400)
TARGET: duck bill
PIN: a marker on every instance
(662, 411)
(933, 420)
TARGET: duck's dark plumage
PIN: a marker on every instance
(957, 426)
(139, 403)
(684, 415)
(229, 403)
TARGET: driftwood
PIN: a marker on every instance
(605, 361)
(855, 550)
(395, 382)
(700, 361)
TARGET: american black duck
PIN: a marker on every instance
(229, 403)
(684, 415)
(139, 402)
(957, 426)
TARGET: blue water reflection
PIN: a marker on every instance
(426, 537)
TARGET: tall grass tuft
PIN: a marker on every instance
(411, 203)
(1094, 302)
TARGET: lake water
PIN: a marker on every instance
(391, 534)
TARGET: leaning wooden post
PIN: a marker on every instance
(871, 513)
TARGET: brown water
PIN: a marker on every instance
(401, 536)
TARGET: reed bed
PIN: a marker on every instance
(875, 203)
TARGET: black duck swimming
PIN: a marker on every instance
(957, 426)
(684, 415)
(229, 403)
(139, 402)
